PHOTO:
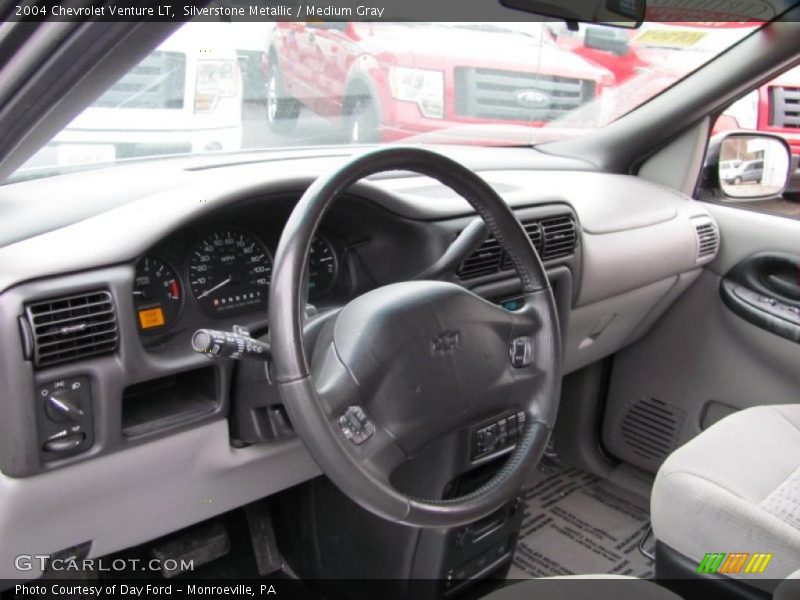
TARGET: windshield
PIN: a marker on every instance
(226, 87)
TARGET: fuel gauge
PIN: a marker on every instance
(157, 294)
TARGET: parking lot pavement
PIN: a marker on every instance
(311, 130)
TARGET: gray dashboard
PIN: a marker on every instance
(636, 251)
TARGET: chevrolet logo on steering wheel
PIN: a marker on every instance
(446, 342)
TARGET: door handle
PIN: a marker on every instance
(784, 286)
(762, 311)
(765, 290)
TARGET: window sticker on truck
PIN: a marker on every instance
(675, 38)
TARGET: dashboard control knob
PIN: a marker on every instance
(64, 444)
(59, 408)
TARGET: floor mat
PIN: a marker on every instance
(576, 523)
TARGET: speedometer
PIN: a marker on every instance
(229, 272)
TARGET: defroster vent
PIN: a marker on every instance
(71, 327)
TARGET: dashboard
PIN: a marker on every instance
(102, 297)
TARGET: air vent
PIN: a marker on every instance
(72, 327)
(650, 429)
(534, 231)
(484, 261)
(490, 258)
(559, 237)
(707, 239)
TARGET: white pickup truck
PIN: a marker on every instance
(185, 97)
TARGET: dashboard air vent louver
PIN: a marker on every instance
(534, 231)
(707, 239)
(72, 327)
(556, 234)
(559, 237)
(484, 261)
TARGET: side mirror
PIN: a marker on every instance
(606, 39)
(748, 166)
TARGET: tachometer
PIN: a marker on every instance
(157, 294)
(322, 268)
(229, 271)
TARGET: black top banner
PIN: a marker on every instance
(615, 11)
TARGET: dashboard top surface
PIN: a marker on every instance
(174, 194)
(72, 197)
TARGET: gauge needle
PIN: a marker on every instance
(215, 288)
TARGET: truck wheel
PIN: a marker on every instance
(282, 109)
(361, 119)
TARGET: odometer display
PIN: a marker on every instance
(229, 271)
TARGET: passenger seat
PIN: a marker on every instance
(735, 488)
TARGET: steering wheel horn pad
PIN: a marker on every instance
(428, 357)
(413, 360)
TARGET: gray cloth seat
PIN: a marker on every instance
(589, 587)
(735, 488)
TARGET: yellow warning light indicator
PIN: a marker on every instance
(151, 317)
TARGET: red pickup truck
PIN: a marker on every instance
(365, 77)
(774, 107)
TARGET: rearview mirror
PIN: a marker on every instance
(749, 166)
(617, 13)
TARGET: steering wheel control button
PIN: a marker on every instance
(521, 352)
(498, 437)
(502, 432)
(520, 422)
(355, 425)
(64, 416)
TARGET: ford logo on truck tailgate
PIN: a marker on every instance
(533, 99)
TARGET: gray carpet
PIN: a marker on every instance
(576, 523)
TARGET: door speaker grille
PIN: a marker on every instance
(651, 428)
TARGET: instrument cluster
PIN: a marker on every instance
(227, 271)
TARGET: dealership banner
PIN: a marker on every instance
(628, 12)
(293, 589)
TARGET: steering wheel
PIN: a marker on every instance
(407, 363)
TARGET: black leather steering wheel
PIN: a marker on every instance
(407, 363)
